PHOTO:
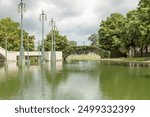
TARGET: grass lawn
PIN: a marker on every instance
(133, 59)
(122, 59)
(84, 57)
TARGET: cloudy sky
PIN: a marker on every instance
(77, 19)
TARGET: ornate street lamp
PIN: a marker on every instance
(21, 9)
(6, 50)
(39, 47)
(28, 61)
(6, 41)
(43, 18)
(53, 51)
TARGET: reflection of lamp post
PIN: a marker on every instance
(43, 18)
(21, 8)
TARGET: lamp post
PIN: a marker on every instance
(21, 8)
(83, 43)
(39, 47)
(28, 61)
(43, 18)
(53, 52)
(6, 50)
(6, 46)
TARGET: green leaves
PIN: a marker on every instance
(11, 30)
(130, 32)
(110, 32)
(94, 39)
(60, 40)
(72, 43)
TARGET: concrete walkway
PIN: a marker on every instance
(13, 55)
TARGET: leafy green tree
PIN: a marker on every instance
(94, 39)
(132, 31)
(144, 16)
(10, 30)
(110, 32)
(144, 3)
(60, 40)
(72, 43)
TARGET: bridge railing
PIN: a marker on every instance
(84, 50)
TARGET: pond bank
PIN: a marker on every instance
(138, 59)
(84, 57)
(134, 61)
(96, 57)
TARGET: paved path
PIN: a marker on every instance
(12, 55)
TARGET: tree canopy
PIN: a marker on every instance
(94, 39)
(110, 33)
(72, 43)
(129, 32)
(60, 40)
(11, 31)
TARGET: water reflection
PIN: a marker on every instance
(75, 80)
(124, 82)
(9, 84)
(21, 76)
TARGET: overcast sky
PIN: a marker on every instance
(77, 19)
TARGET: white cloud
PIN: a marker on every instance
(6, 2)
(76, 19)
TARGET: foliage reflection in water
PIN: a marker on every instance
(75, 80)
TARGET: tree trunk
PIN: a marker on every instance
(130, 52)
(134, 49)
(146, 50)
(142, 52)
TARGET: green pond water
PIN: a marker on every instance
(75, 80)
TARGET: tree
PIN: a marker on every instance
(10, 30)
(61, 42)
(110, 32)
(72, 43)
(144, 5)
(132, 31)
(137, 28)
(144, 17)
(94, 39)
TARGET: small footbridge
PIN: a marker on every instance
(85, 50)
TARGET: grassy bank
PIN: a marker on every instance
(84, 57)
(137, 59)
(96, 57)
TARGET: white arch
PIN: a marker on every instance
(2, 51)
